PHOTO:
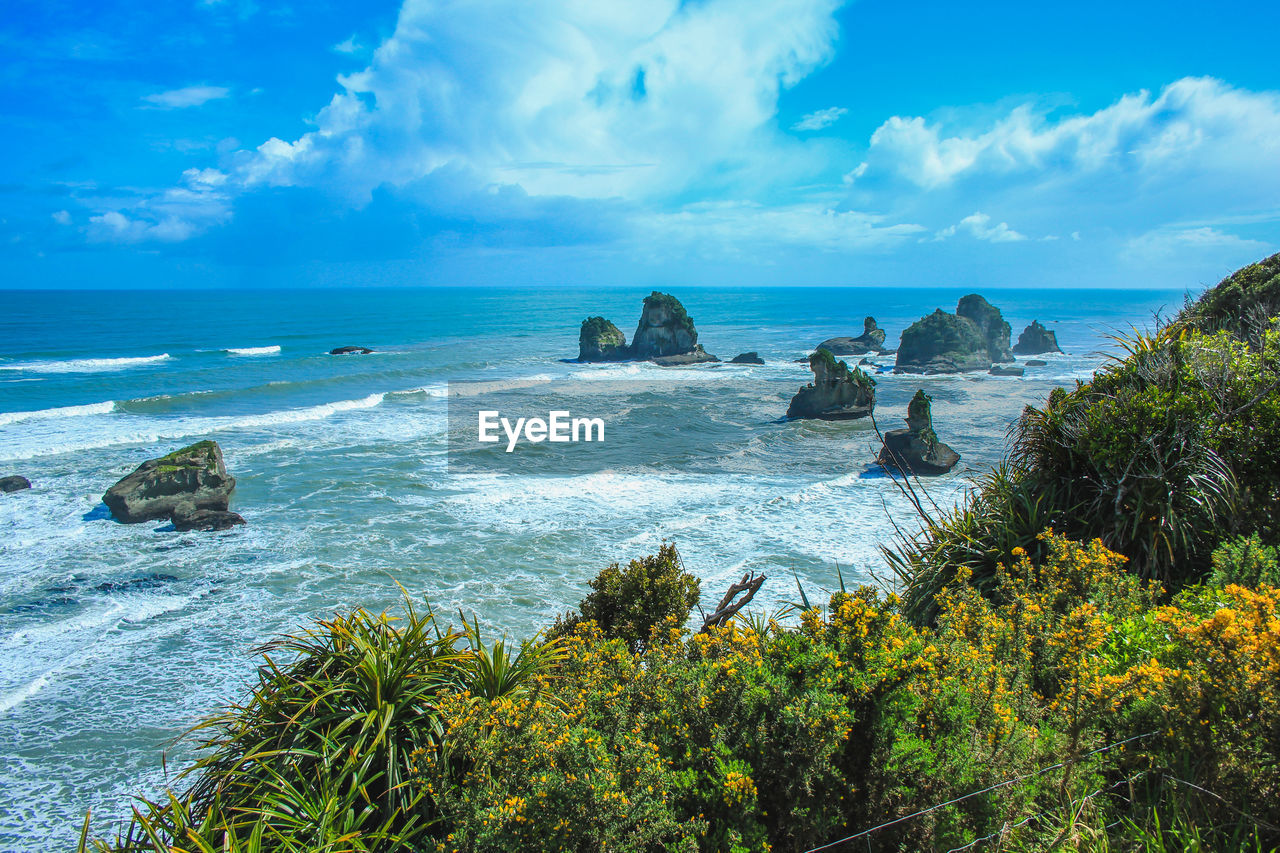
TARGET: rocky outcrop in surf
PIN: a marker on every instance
(14, 483)
(752, 357)
(836, 394)
(600, 340)
(971, 339)
(665, 335)
(871, 340)
(1035, 340)
(916, 449)
(194, 475)
(187, 516)
(350, 351)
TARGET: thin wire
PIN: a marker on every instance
(1006, 783)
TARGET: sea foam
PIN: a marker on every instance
(85, 365)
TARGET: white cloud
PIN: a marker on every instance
(593, 100)
(62, 217)
(348, 46)
(191, 96)
(1194, 124)
(978, 225)
(168, 216)
(738, 228)
(819, 119)
(1164, 243)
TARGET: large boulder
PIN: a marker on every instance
(916, 449)
(836, 394)
(665, 328)
(1036, 339)
(194, 474)
(942, 343)
(350, 350)
(871, 340)
(752, 357)
(971, 339)
(600, 340)
(14, 483)
(995, 331)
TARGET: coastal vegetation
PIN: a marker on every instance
(1085, 654)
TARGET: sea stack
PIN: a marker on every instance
(1036, 339)
(916, 449)
(973, 338)
(836, 394)
(194, 475)
(665, 335)
(600, 340)
(871, 340)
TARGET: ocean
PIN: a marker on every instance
(116, 638)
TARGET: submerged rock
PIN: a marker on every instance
(747, 358)
(1036, 339)
(837, 393)
(194, 475)
(186, 516)
(916, 449)
(695, 356)
(350, 351)
(971, 339)
(14, 483)
(1035, 362)
(1004, 370)
(871, 340)
(600, 340)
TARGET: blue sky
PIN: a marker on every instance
(250, 143)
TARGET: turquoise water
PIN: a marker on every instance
(115, 638)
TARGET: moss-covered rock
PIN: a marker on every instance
(1036, 339)
(916, 449)
(971, 339)
(837, 392)
(991, 324)
(665, 328)
(942, 343)
(600, 340)
(194, 475)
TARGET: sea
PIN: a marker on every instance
(115, 638)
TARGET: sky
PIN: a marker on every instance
(248, 143)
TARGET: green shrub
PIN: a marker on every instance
(629, 603)
(1245, 561)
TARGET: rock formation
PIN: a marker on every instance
(1005, 370)
(836, 394)
(600, 340)
(350, 351)
(186, 516)
(971, 339)
(747, 358)
(871, 340)
(1036, 339)
(1035, 362)
(194, 475)
(14, 483)
(665, 336)
(916, 449)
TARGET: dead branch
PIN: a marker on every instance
(728, 606)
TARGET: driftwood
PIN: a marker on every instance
(728, 606)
